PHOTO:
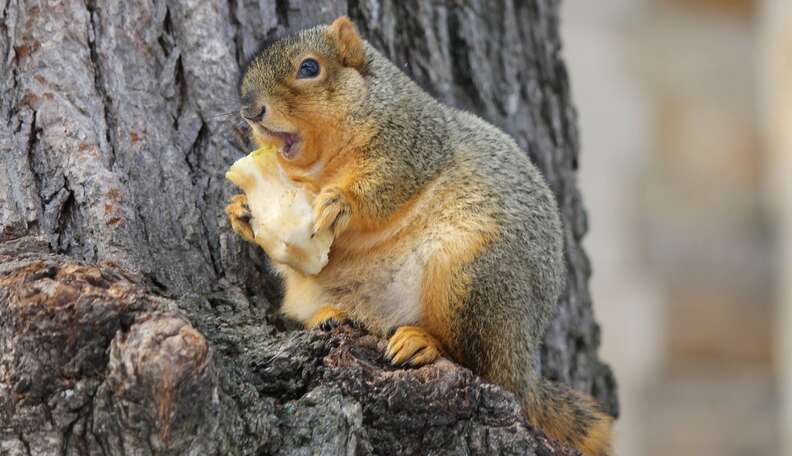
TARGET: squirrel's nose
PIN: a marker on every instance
(253, 112)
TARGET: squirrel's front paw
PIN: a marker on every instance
(239, 215)
(413, 346)
(331, 210)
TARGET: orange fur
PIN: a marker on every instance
(597, 441)
(332, 210)
(238, 214)
(343, 31)
(445, 284)
(367, 231)
(414, 346)
(303, 297)
(559, 411)
(324, 314)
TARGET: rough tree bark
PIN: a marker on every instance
(133, 321)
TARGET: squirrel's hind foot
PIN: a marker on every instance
(412, 346)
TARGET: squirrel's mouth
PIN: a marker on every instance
(290, 142)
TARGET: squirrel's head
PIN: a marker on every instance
(300, 92)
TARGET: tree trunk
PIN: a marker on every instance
(134, 322)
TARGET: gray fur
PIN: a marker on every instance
(517, 279)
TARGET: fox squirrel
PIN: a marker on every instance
(447, 238)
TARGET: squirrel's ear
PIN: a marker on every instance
(350, 45)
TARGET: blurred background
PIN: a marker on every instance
(685, 110)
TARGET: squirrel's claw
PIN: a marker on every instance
(412, 345)
(239, 216)
(331, 211)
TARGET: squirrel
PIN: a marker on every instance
(447, 239)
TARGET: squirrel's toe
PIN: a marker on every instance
(331, 211)
(412, 345)
(239, 216)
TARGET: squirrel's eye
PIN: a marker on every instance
(309, 68)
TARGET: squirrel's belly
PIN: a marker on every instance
(382, 271)
(399, 302)
(381, 291)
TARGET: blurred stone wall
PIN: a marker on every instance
(775, 90)
(684, 243)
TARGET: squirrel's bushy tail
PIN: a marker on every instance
(568, 416)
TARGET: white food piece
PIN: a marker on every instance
(282, 213)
